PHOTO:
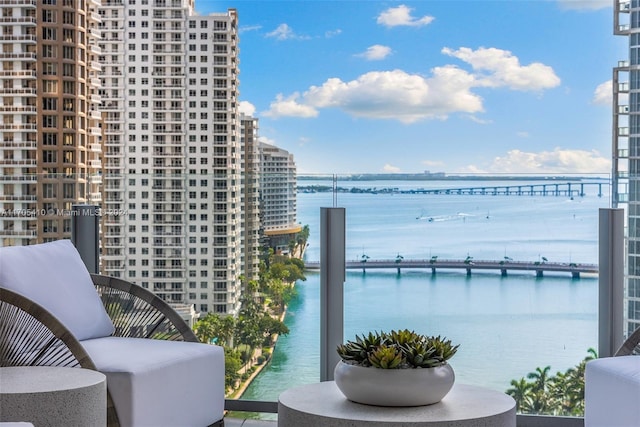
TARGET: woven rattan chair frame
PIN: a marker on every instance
(31, 336)
(135, 312)
(631, 346)
(138, 313)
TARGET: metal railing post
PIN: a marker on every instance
(611, 281)
(85, 224)
(332, 277)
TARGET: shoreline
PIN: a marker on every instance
(239, 392)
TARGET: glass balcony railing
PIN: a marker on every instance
(504, 266)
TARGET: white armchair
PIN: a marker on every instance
(54, 312)
(612, 387)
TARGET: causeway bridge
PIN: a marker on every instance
(565, 189)
(556, 189)
(574, 269)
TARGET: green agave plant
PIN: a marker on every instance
(402, 349)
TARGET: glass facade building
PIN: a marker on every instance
(626, 149)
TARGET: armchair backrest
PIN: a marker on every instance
(54, 276)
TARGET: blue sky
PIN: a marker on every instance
(452, 86)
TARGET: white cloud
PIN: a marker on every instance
(332, 33)
(399, 95)
(303, 140)
(550, 162)
(247, 108)
(523, 134)
(285, 32)
(266, 140)
(409, 98)
(432, 163)
(603, 95)
(584, 4)
(375, 52)
(248, 28)
(401, 16)
(289, 107)
(390, 169)
(479, 120)
(504, 69)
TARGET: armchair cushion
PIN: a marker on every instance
(161, 383)
(612, 392)
(54, 276)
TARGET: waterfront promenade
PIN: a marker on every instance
(468, 265)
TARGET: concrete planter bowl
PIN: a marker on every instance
(394, 387)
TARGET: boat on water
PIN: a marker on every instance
(439, 218)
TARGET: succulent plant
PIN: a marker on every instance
(401, 349)
(358, 351)
(386, 357)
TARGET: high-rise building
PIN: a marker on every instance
(278, 187)
(171, 151)
(626, 149)
(252, 230)
(49, 129)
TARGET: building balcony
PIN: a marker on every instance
(450, 297)
(18, 74)
(22, 20)
(19, 91)
(24, 3)
(22, 38)
(18, 109)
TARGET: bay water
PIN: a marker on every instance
(506, 326)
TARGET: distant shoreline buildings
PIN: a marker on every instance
(442, 176)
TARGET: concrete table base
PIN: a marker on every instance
(323, 404)
(53, 396)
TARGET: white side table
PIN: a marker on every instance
(53, 396)
(323, 404)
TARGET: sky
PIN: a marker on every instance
(500, 87)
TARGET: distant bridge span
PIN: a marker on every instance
(546, 189)
(468, 265)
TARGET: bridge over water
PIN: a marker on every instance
(569, 189)
(459, 264)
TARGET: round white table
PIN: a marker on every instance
(53, 396)
(323, 404)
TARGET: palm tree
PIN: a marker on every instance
(205, 328)
(540, 377)
(540, 399)
(227, 329)
(521, 393)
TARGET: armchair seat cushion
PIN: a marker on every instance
(54, 276)
(158, 383)
(612, 392)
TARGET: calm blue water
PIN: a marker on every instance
(506, 326)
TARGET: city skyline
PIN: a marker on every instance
(485, 87)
